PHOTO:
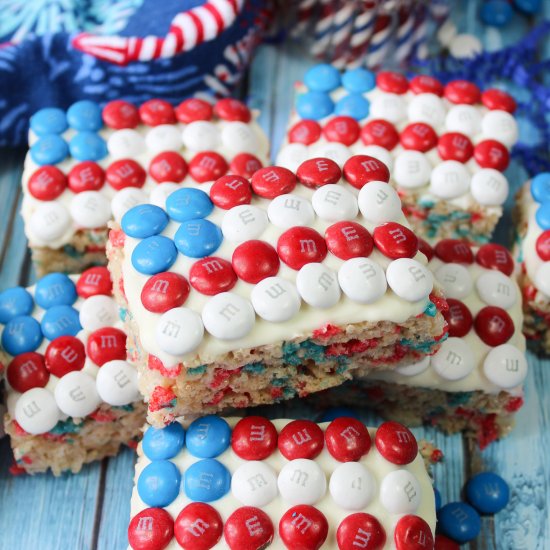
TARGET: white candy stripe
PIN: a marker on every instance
(188, 29)
(226, 11)
(209, 23)
(148, 47)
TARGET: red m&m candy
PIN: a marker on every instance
(254, 438)
(455, 251)
(272, 181)
(413, 533)
(194, 109)
(65, 354)
(255, 260)
(424, 84)
(380, 132)
(360, 169)
(86, 176)
(119, 114)
(248, 528)
(348, 240)
(458, 317)
(418, 136)
(393, 83)
(444, 543)
(396, 443)
(543, 246)
(156, 112)
(395, 240)
(425, 248)
(342, 129)
(27, 371)
(47, 183)
(125, 173)
(347, 439)
(207, 166)
(490, 153)
(455, 146)
(164, 291)
(245, 165)
(94, 281)
(232, 110)
(462, 91)
(305, 131)
(316, 172)
(494, 326)
(212, 275)
(301, 439)
(106, 344)
(151, 529)
(360, 531)
(303, 527)
(495, 99)
(495, 256)
(168, 166)
(198, 527)
(299, 246)
(230, 191)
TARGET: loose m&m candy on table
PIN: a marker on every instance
(254, 483)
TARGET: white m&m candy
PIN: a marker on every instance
(254, 483)
(542, 278)
(165, 137)
(332, 150)
(125, 199)
(244, 222)
(97, 312)
(454, 359)
(449, 180)
(489, 187)
(415, 368)
(286, 211)
(292, 155)
(409, 279)
(362, 280)
(379, 202)
(228, 316)
(428, 108)
(36, 411)
(161, 192)
(400, 492)
(318, 285)
(455, 280)
(333, 203)
(90, 209)
(117, 383)
(464, 119)
(390, 107)
(275, 299)
(76, 394)
(179, 331)
(200, 136)
(505, 366)
(501, 126)
(239, 137)
(495, 289)
(302, 481)
(411, 169)
(352, 486)
(125, 144)
(49, 221)
(465, 46)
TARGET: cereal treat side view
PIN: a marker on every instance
(447, 146)
(283, 484)
(87, 166)
(72, 397)
(474, 382)
(533, 253)
(243, 292)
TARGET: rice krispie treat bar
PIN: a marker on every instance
(242, 292)
(72, 398)
(254, 483)
(533, 253)
(89, 165)
(474, 382)
(446, 146)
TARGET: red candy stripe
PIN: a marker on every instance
(393, 83)
(455, 146)
(380, 132)
(254, 438)
(495, 256)
(454, 250)
(303, 527)
(495, 99)
(305, 131)
(494, 326)
(119, 114)
(342, 129)
(47, 183)
(490, 153)
(418, 136)
(462, 91)
(27, 371)
(125, 173)
(299, 246)
(458, 317)
(194, 109)
(232, 110)
(272, 181)
(254, 260)
(245, 165)
(164, 291)
(207, 166)
(94, 281)
(360, 169)
(360, 531)
(156, 112)
(301, 439)
(212, 275)
(395, 240)
(86, 176)
(348, 240)
(413, 533)
(424, 84)
(230, 191)
(151, 529)
(248, 528)
(106, 344)
(396, 443)
(65, 354)
(198, 526)
(543, 246)
(347, 439)
(317, 172)
(168, 166)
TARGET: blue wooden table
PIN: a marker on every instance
(91, 510)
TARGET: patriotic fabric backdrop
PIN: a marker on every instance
(55, 52)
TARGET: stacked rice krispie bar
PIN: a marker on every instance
(245, 292)
(446, 146)
(255, 483)
(88, 165)
(71, 396)
(533, 254)
(474, 382)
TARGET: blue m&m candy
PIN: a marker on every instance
(163, 443)
(49, 149)
(358, 80)
(543, 215)
(159, 483)
(337, 412)
(144, 220)
(540, 187)
(154, 254)
(88, 146)
(15, 302)
(488, 493)
(353, 105)
(496, 13)
(85, 116)
(206, 480)
(55, 289)
(21, 334)
(437, 496)
(528, 6)
(188, 204)
(322, 78)
(314, 105)
(459, 521)
(198, 238)
(208, 436)
(60, 321)
(49, 121)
